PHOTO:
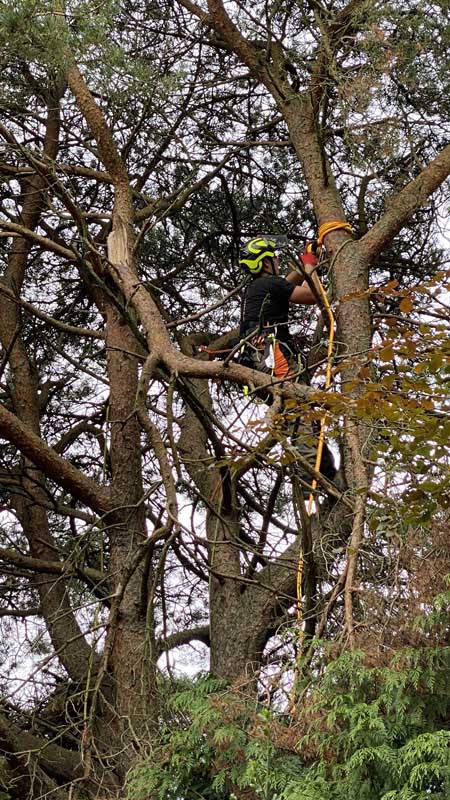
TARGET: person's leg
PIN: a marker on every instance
(305, 440)
(276, 358)
(304, 437)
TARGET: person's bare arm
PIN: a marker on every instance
(302, 293)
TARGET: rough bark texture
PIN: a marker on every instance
(114, 691)
(128, 531)
(31, 502)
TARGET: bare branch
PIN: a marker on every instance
(200, 634)
(403, 204)
(53, 466)
(67, 568)
(11, 228)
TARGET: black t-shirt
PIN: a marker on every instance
(266, 301)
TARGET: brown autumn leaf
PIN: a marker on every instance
(406, 305)
(387, 353)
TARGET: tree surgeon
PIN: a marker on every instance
(268, 345)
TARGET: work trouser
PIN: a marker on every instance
(268, 354)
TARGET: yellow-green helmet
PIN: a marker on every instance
(255, 251)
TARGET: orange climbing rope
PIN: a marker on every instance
(329, 311)
(329, 227)
(324, 230)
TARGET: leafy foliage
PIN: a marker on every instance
(208, 156)
(359, 732)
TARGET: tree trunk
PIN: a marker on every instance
(132, 673)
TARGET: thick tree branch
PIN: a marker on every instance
(244, 49)
(52, 465)
(200, 634)
(403, 204)
(11, 228)
(56, 761)
(97, 123)
(67, 568)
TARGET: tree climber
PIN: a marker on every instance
(265, 312)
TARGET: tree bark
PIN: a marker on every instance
(31, 502)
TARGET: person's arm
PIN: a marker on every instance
(302, 293)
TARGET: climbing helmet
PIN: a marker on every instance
(255, 251)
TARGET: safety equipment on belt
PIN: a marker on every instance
(260, 247)
(312, 248)
(268, 352)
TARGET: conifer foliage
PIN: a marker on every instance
(156, 638)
